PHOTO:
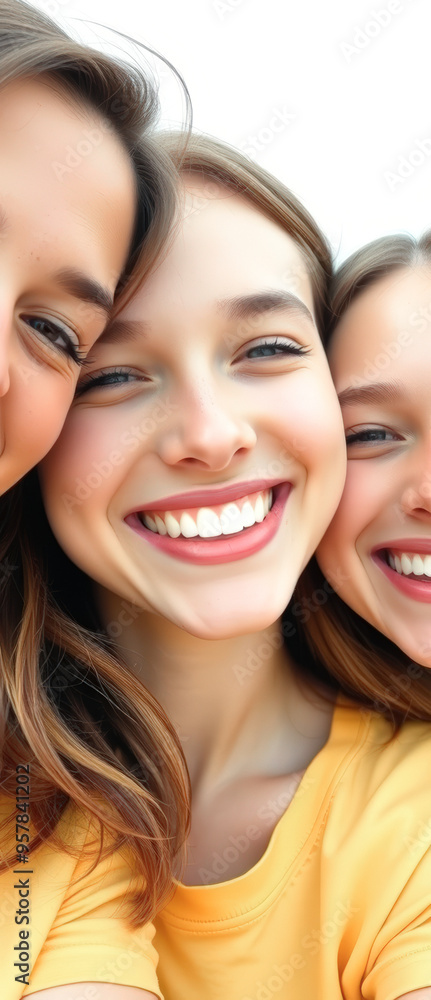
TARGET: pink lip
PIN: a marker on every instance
(417, 590)
(204, 498)
(407, 545)
(227, 548)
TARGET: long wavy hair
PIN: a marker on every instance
(362, 661)
(89, 731)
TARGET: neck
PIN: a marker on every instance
(236, 703)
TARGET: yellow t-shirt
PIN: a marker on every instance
(76, 929)
(339, 906)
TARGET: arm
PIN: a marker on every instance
(82, 932)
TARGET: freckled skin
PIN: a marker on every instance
(81, 218)
(385, 336)
(207, 414)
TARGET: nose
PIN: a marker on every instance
(205, 430)
(416, 498)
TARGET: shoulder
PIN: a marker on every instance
(385, 773)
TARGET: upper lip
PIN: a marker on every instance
(212, 497)
(407, 545)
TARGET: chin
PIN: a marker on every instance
(410, 639)
(229, 623)
(417, 650)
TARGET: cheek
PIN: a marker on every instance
(318, 436)
(39, 410)
(358, 508)
(80, 464)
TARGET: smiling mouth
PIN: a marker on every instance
(210, 522)
(409, 564)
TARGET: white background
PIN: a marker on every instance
(333, 97)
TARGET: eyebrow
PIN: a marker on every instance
(74, 281)
(374, 392)
(244, 306)
(119, 331)
(82, 287)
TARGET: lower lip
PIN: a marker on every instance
(226, 549)
(417, 590)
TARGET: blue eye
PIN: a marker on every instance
(371, 435)
(103, 379)
(272, 348)
(57, 336)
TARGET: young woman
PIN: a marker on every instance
(196, 471)
(86, 200)
(377, 551)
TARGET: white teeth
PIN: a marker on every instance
(160, 525)
(208, 523)
(417, 566)
(406, 564)
(410, 565)
(188, 527)
(267, 502)
(247, 515)
(259, 510)
(172, 525)
(150, 523)
(230, 519)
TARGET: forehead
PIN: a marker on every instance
(223, 246)
(386, 329)
(59, 165)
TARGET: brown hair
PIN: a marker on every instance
(32, 45)
(97, 737)
(365, 663)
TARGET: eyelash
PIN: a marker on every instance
(102, 379)
(284, 348)
(69, 348)
(360, 437)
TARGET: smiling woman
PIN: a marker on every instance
(199, 465)
(377, 551)
(59, 265)
(86, 202)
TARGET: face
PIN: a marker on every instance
(379, 542)
(204, 456)
(67, 205)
